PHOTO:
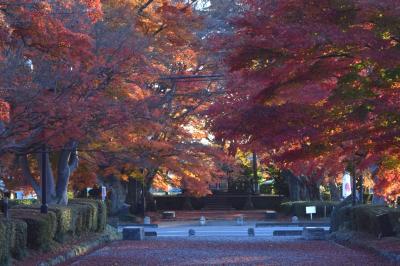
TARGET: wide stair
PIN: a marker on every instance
(214, 203)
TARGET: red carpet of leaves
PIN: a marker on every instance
(227, 252)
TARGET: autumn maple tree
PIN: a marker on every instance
(95, 77)
(161, 141)
(60, 62)
(314, 84)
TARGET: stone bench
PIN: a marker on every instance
(133, 233)
(271, 215)
(313, 233)
(150, 233)
(168, 215)
(287, 232)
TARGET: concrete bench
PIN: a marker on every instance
(313, 233)
(168, 215)
(271, 215)
(150, 233)
(287, 232)
(133, 233)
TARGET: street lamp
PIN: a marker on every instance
(44, 208)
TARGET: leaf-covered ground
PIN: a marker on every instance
(228, 251)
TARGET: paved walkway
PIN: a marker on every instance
(216, 228)
(227, 251)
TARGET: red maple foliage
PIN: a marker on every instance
(314, 84)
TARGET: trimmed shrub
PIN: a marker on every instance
(19, 235)
(366, 218)
(298, 208)
(341, 218)
(5, 231)
(65, 225)
(37, 231)
(41, 227)
(90, 214)
(13, 238)
(64, 218)
(80, 220)
(101, 208)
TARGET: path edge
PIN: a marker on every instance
(84, 248)
(350, 240)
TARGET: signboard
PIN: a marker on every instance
(311, 210)
(346, 185)
(103, 193)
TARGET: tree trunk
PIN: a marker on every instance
(132, 198)
(150, 204)
(294, 186)
(361, 180)
(376, 199)
(334, 190)
(67, 163)
(117, 195)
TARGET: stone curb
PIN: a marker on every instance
(350, 241)
(84, 248)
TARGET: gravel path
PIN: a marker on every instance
(227, 251)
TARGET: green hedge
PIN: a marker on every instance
(5, 231)
(13, 240)
(364, 218)
(41, 228)
(18, 238)
(89, 212)
(64, 219)
(60, 223)
(298, 208)
(101, 211)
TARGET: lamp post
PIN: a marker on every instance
(353, 185)
(7, 195)
(44, 208)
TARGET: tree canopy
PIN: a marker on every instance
(164, 91)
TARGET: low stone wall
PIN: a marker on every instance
(262, 202)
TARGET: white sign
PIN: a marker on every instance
(346, 185)
(103, 193)
(311, 210)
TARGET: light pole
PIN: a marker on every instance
(44, 208)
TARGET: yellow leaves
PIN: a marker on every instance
(124, 177)
(391, 162)
(335, 131)
(386, 35)
(395, 85)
